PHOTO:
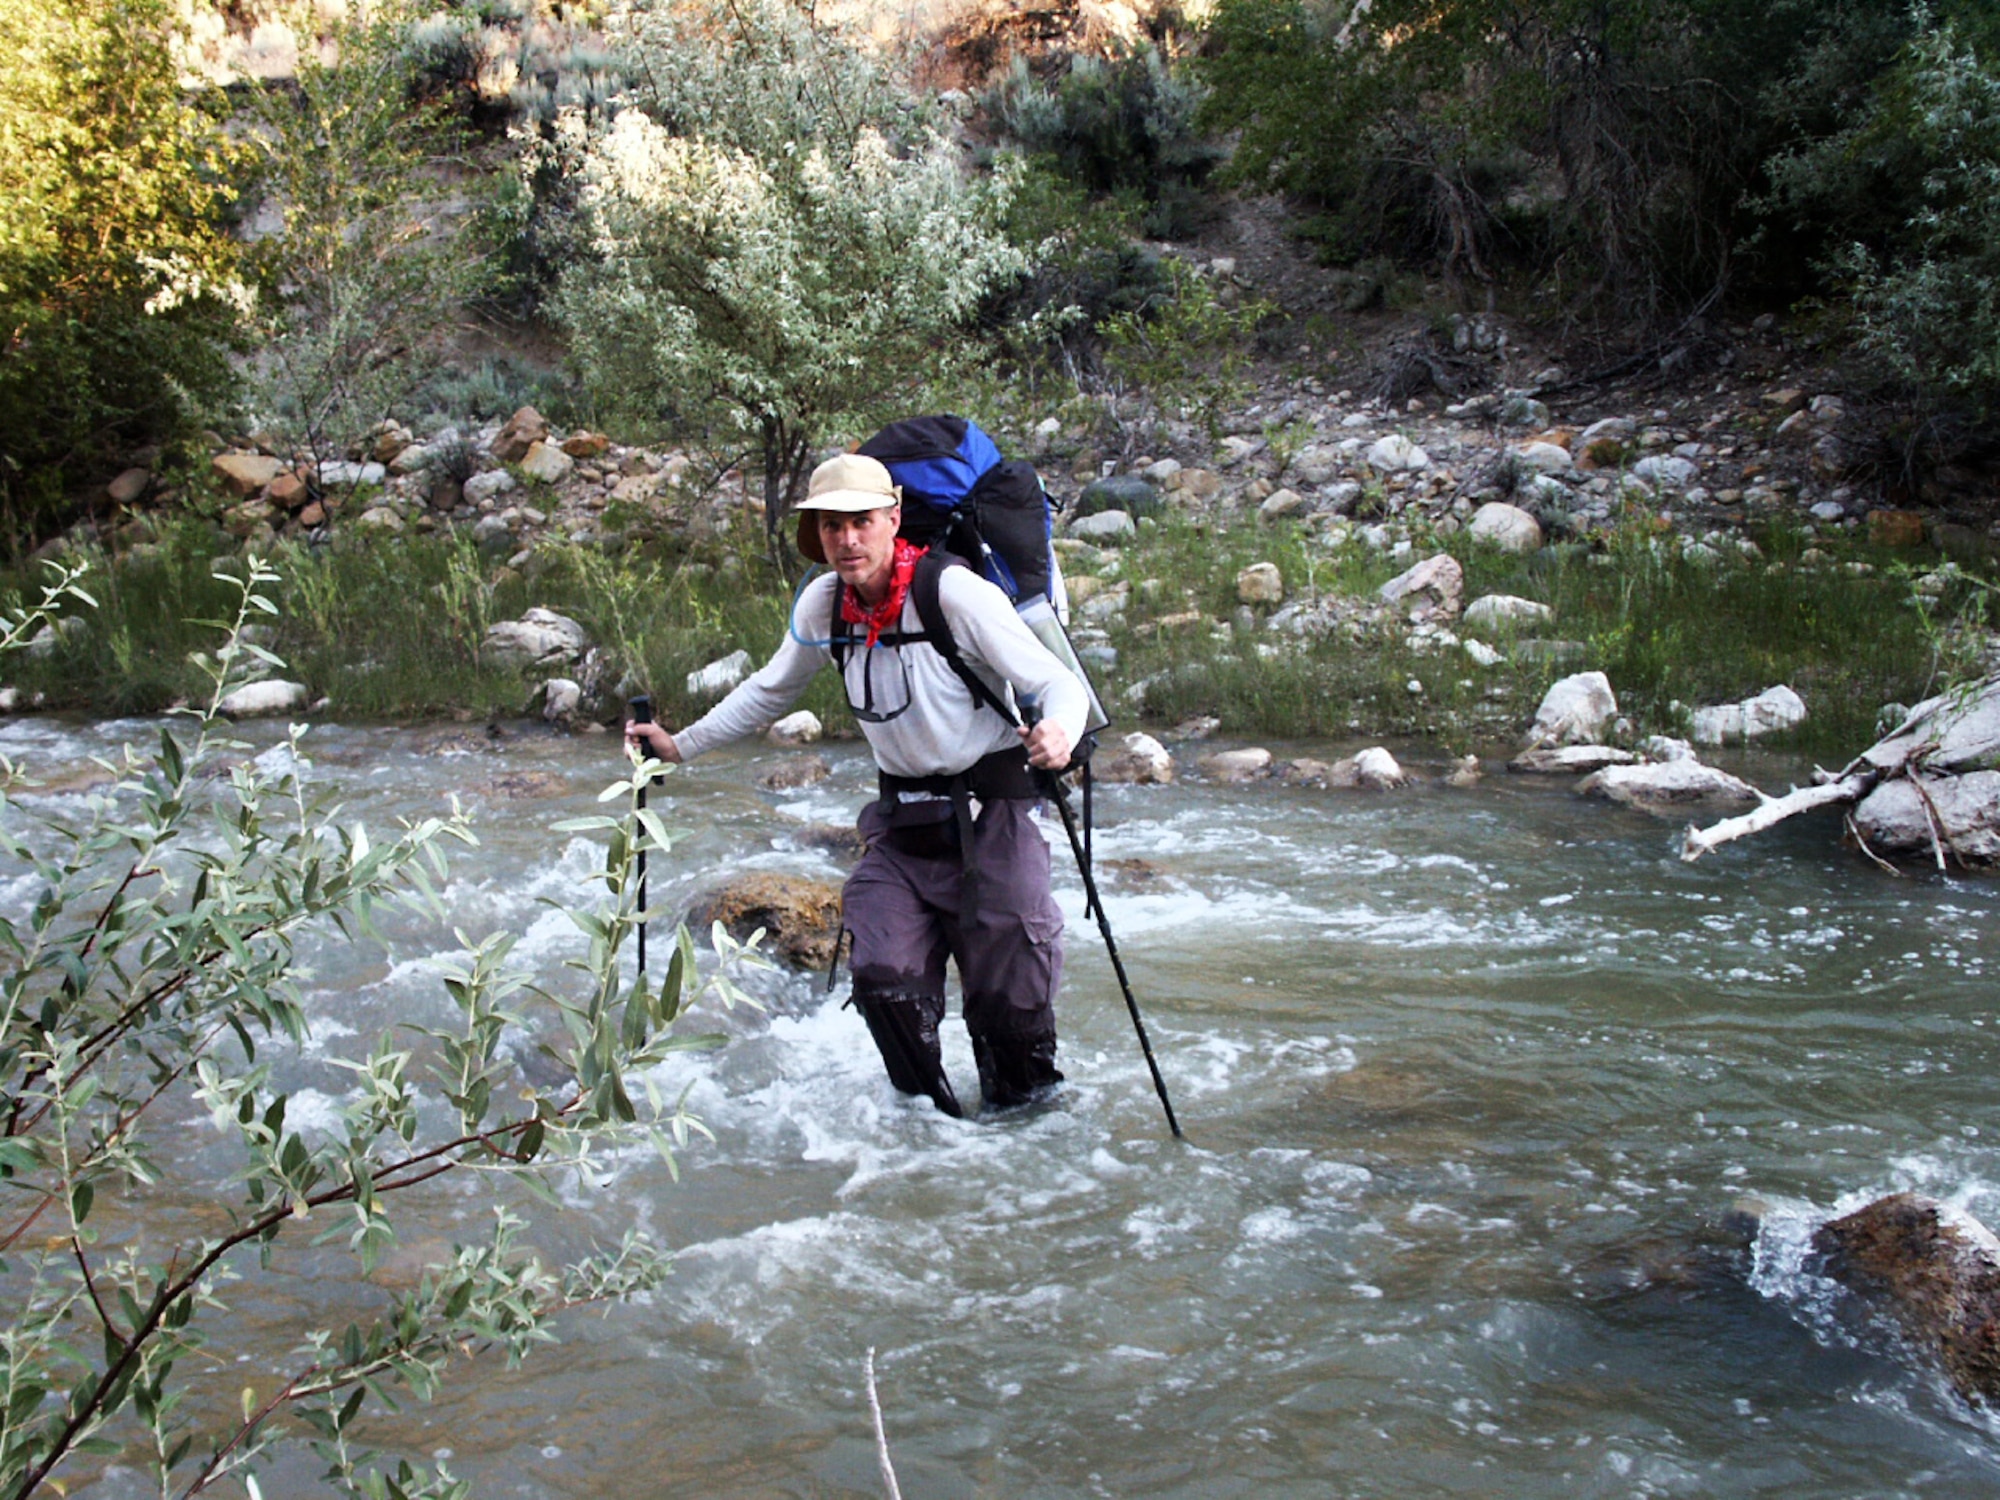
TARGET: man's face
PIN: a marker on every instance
(860, 546)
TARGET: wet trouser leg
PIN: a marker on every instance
(1010, 958)
(903, 911)
(898, 960)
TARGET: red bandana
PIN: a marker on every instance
(890, 610)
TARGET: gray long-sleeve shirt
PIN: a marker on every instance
(944, 729)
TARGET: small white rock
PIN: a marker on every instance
(800, 728)
(255, 699)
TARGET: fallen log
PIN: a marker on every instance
(1773, 811)
(1943, 740)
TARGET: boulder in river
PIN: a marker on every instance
(1236, 765)
(1938, 1271)
(800, 916)
(800, 728)
(561, 697)
(1570, 760)
(1912, 815)
(1668, 787)
(1143, 761)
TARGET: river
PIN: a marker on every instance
(1471, 1082)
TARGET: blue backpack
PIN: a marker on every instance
(959, 492)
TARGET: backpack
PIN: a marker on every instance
(967, 504)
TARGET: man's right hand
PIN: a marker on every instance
(653, 739)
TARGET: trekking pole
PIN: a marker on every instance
(1096, 904)
(642, 713)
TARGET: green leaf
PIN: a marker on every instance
(80, 1198)
(673, 987)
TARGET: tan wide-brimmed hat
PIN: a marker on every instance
(850, 482)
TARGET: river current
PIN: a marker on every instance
(1472, 1081)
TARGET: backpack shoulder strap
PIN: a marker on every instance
(837, 638)
(925, 587)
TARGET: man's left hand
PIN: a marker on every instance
(1048, 745)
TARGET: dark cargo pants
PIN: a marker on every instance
(904, 908)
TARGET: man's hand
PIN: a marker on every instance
(653, 739)
(1048, 745)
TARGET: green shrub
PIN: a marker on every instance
(1128, 126)
(118, 298)
(778, 250)
(160, 955)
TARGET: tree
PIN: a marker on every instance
(138, 993)
(777, 242)
(368, 268)
(118, 297)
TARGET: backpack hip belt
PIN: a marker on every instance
(1005, 775)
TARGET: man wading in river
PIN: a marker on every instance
(937, 876)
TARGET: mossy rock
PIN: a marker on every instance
(800, 916)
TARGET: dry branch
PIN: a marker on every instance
(1803, 799)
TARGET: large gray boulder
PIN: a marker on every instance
(1396, 454)
(1961, 731)
(1507, 527)
(1912, 815)
(1668, 788)
(1770, 712)
(1107, 527)
(1432, 590)
(1236, 765)
(1506, 611)
(541, 638)
(1142, 761)
(719, 676)
(1578, 710)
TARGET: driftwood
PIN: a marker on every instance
(1953, 734)
(1772, 811)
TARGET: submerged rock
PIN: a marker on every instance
(1938, 1269)
(795, 772)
